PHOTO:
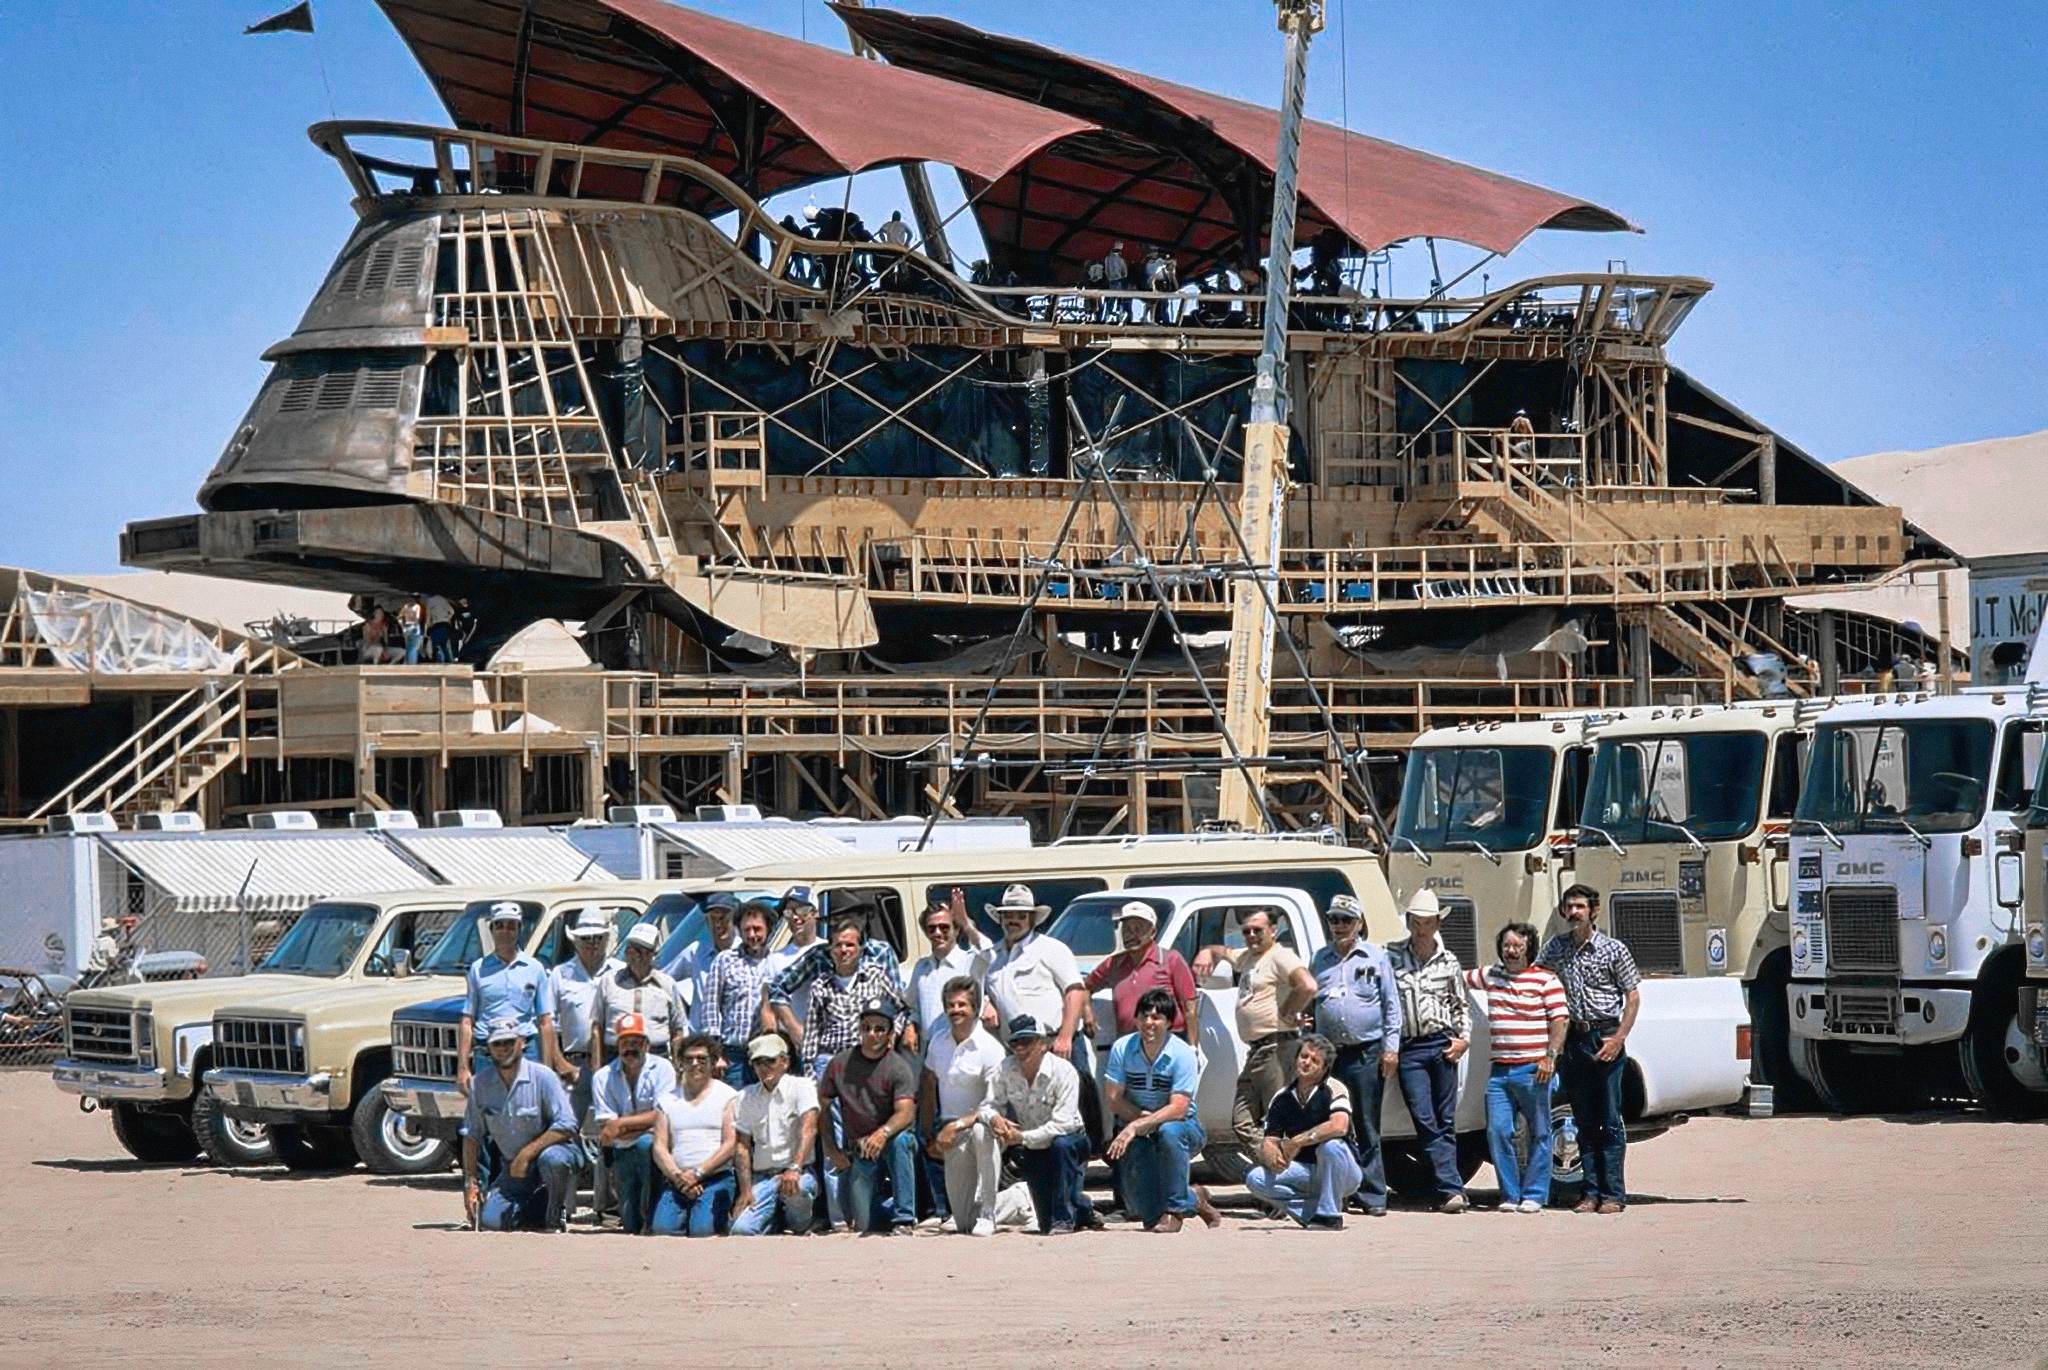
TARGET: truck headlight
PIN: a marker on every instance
(2037, 945)
(1937, 947)
(145, 1039)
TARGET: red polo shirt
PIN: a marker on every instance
(1129, 977)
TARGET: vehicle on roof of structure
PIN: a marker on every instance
(1906, 944)
(306, 1061)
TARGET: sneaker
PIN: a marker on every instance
(1510, 1206)
(1455, 1204)
(1528, 1206)
(985, 1227)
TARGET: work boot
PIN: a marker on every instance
(1589, 1204)
(1168, 1222)
(1205, 1210)
(1612, 1206)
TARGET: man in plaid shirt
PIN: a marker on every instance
(1600, 990)
(851, 976)
(732, 991)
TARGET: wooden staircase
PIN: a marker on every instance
(166, 762)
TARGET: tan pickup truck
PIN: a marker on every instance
(140, 1051)
(306, 1061)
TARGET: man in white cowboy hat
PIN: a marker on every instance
(503, 983)
(1032, 974)
(575, 985)
(1436, 1027)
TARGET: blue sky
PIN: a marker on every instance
(1863, 183)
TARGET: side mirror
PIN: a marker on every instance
(2008, 879)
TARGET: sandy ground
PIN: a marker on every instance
(1795, 1241)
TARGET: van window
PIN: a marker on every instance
(879, 908)
(1318, 883)
(413, 932)
(1224, 926)
(1088, 925)
(1055, 894)
(1788, 768)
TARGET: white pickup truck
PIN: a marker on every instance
(1688, 1052)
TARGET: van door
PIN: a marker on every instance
(413, 932)
(1220, 922)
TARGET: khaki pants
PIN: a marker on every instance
(973, 1166)
(1266, 1068)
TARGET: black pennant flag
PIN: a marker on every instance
(297, 19)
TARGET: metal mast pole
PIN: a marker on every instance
(1262, 509)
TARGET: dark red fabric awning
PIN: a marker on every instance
(1373, 191)
(768, 111)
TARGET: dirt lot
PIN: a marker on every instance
(1798, 1241)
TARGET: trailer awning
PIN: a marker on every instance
(266, 872)
(508, 858)
(715, 848)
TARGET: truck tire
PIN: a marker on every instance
(2001, 1068)
(1847, 1082)
(1567, 1164)
(156, 1138)
(310, 1148)
(226, 1142)
(391, 1143)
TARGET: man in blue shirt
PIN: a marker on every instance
(507, 983)
(626, 1100)
(519, 1155)
(1358, 1008)
(1152, 1076)
(1306, 1169)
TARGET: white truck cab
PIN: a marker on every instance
(1907, 955)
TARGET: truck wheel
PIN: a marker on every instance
(1227, 1161)
(390, 1143)
(2001, 1066)
(1567, 1164)
(225, 1141)
(315, 1147)
(1846, 1082)
(1770, 1039)
(158, 1138)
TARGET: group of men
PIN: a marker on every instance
(737, 1087)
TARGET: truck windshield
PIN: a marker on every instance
(463, 942)
(1646, 789)
(1928, 774)
(1088, 925)
(1495, 797)
(323, 942)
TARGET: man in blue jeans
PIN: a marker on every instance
(876, 1089)
(1436, 1028)
(1526, 1017)
(1601, 990)
(1358, 1008)
(1034, 1107)
(626, 1098)
(1151, 1076)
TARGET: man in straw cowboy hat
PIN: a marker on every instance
(1436, 1029)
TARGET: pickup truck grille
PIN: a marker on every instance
(258, 1044)
(1648, 924)
(1863, 929)
(1460, 929)
(424, 1051)
(100, 1034)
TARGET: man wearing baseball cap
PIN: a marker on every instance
(627, 1095)
(1035, 1107)
(876, 1090)
(507, 983)
(519, 1159)
(635, 986)
(777, 1127)
(1144, 965)
(1358, 1010)
(692, 964)
(1436, 1027)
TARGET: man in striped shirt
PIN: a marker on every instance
(1525, 1011)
